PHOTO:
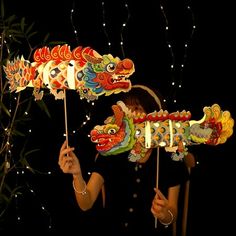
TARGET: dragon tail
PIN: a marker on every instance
(214, 128)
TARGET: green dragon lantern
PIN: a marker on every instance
(127, 130)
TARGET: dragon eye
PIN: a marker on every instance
(111, 131)
(80, 75)
(110, 67)
(138, 132)
(54, 72)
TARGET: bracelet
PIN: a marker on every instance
(83, 192)
(170, 222)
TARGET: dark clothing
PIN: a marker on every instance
(129, 188)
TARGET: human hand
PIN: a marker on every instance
(159, 207)
(68, 161)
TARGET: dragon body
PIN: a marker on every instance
(127, 130)
(82, 69)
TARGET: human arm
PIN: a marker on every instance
(86, 193)
(166, 209)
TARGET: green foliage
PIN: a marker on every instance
(17, 38)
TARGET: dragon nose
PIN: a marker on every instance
(127, 63)
(93, 132)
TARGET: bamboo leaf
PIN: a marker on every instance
(45, 39)
(11, 19)
(2, 9)
(4, 108)
(29, 29)
(22, 24)
(18, 133)
(43, 107)
(27, 154)
(32, 34)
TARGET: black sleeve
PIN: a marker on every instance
(100, 165)
(179, 174)
(173, 172)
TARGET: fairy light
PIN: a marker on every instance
(84, 122)
(124, 25)
(177, 69)
(18, 197)
(42, 206)
(4, 42)
(20, 172)
(87, 119)
(72, 23)
(188, 41)
(18, 215)
(104, 26)
(18, 166)
(169, 46)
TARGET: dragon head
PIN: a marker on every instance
(107, 75)
(117, 133)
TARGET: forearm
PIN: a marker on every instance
(82, 194)
(169, 217)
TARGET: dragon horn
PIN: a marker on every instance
(118, 114)
(191, 122)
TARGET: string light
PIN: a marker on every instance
(20, 194)
(15, 162)
(72, 23)
(19, 166)
(77, 40)
(3, 42)
(73, 132)
(177, 69)
(83, 123)
(104, 26)
(188, 41)
(123, 27)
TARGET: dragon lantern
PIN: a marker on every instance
(138, 132)
(81, 69)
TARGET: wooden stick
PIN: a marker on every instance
(157, 177)
(185, 207)
(65, 112)
(190, 163)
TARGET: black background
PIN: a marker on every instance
(208, 78)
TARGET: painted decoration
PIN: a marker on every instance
(82, 69)
(138, 132)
